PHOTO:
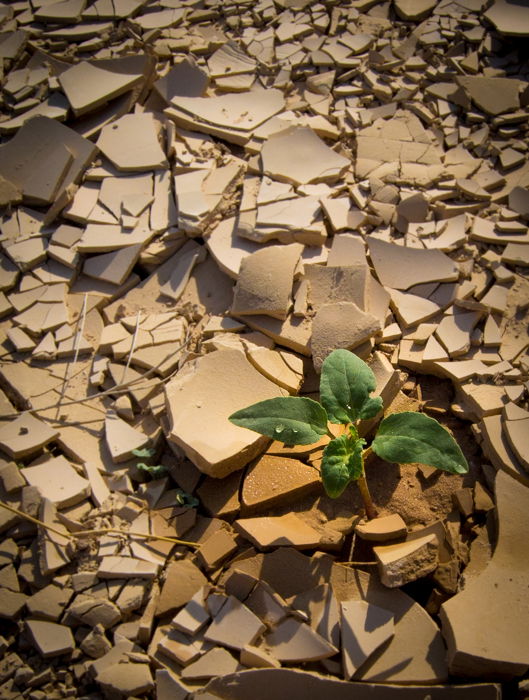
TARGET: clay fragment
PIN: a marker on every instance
(234, 626)
(285, 530)
(122, 439)
(128, 679)
(381, 529)
(401, 267)
(284, 157)
(272, 481)
(58, 481)
(408, 561)
(25, 161)
(215, 662)
(212, 388)
(292, 641)
(131, 143)
(25, 436)
(89, 85)
(264, 284)
(364, 629)
(341, 325)
(182, 580)
(286, 683)
(50, 638)
(503, 654)
(93, 611)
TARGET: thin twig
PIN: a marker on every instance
(129, 533)
(34, 520)
(132, 347)
(102, 531)
(359, 563)
(78, 336)
(117, 389)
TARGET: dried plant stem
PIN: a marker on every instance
(144, 535)
(358, 563)
(118, 389)
(102, 531)
(77, 342)
(132, 347)
(34, 520)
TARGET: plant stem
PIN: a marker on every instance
(369, 506)
(371, 511)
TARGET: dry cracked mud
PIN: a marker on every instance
(199, 201)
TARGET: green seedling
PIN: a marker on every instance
(345, 387)
(156, 471)
(186, 499)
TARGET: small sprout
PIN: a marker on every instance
(145, 453)
(345, 387)
(156, 471)
(186, 499)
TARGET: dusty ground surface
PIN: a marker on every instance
(200, 201)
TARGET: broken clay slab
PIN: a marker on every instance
(297, 155)
(25, 161)
(131, 143)
(50, 638)
(400, 267)
(364, 628)
(25, 436)
(234, 626)
(286, 683)
(401, 563)
(58, 481)
(292, 641)
(182, 581)
(122, 439)
(264, 284)
(274, 480)
(285, 530)
(388, 527)
(341, 325)
(211, 388)
(516, 432)
(232, 117)
(496, 599)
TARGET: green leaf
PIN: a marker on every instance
(294, 420)
(371, 407)
(414, 437)
(342, 463)
(156, 471)
(186, 499)
(345, 385)
(146, 452)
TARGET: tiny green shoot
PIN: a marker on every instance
(345, 386)
(156, 471)
(186, 499)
